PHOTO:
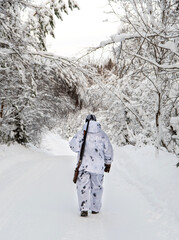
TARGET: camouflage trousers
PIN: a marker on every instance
(89, 190)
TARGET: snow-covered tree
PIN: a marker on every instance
(24, 25)
(146, 53)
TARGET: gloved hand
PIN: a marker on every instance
(107, 167)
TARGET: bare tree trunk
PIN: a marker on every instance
(164, 13)
(158, 125)
(1, 112)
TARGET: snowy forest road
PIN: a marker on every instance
(38, 202)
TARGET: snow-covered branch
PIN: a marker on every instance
(116, 38)
(174, 67)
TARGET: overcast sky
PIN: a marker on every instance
(81, 29)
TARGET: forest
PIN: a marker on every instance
(134, 91)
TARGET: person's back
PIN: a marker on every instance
(97, 158)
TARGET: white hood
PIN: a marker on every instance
(94, 127)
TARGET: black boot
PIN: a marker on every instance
(93, 212)
(84, 213)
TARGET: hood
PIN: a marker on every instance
(93, 127)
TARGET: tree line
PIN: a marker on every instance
(135, 94)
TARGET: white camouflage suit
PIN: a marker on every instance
(98, 152)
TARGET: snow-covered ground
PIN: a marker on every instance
(38, 198)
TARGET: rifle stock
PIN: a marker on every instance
(76, 173)
(75, 177)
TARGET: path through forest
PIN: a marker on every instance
(38, 202)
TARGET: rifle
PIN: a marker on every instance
(81, 155)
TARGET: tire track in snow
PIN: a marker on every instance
(16, 180)
(159, 210)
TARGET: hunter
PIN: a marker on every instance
(95, 155)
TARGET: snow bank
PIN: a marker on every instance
(157, 178)
(53, 143)
(13, 154)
